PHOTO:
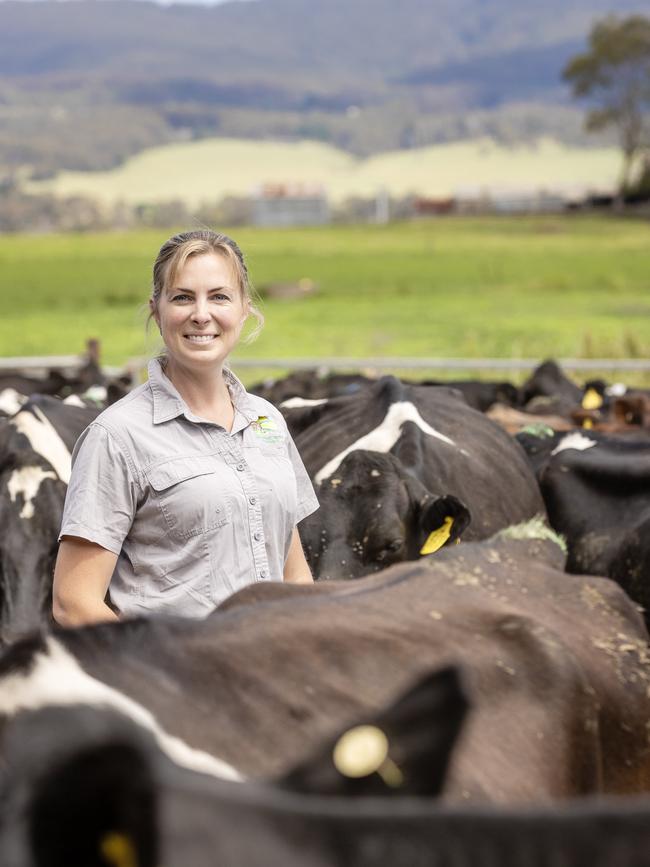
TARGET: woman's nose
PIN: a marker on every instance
(200, 312)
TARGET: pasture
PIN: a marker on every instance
(209, 169)
(547, 709)
(504, 287)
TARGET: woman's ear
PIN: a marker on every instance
(154, 312)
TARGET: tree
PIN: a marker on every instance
(614, 75)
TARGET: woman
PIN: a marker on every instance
(188, 488)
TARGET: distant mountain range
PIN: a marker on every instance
(85, 84)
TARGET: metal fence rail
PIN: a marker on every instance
(637, 364)
(39, 365)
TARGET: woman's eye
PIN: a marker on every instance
(218, 296)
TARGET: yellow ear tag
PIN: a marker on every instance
(360, 751)
(587, 424)
(591, 399)
(437, 539)
(363, 750)
(118, 850)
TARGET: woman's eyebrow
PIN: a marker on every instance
(192, 291)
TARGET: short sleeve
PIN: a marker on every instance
(307, 500)
(101, 500)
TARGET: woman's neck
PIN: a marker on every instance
(205, 392)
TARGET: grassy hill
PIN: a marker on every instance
(84, 84)
(202, 171)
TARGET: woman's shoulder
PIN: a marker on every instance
(124, 412)
(126, 423)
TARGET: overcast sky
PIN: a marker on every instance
(164, 2)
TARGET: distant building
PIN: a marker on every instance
(290, 205)
(428, 207)
(494, 200)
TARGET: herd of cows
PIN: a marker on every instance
(467, 683)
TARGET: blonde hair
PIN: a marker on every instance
(175, 252)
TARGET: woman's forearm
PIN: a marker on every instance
(299, 578)
(79, 612)
(296, 568)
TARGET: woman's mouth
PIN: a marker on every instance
(200, 338)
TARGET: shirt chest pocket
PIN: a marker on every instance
(191, 495)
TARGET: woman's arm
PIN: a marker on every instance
(296, 568)
(81, 577)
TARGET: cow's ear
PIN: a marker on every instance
(403, 750)
(442, 520)
(96, 808)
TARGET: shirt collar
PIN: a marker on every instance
(168, 404)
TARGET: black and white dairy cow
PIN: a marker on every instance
(480, 394)
(10, 402)
(547, 390)
(310, 384)
(597, 494)
(401, 470)
(86, 788)
(35, 455)
(554, 667)
(83, 783)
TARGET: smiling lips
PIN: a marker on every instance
(200, 338)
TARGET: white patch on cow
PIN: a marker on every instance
(74, 400)
(300, 402)
(27, 481)
(574, 441)
(11, 400)
(45, 441)
(384, 437)
(617, 389)
(57, 679)
(98, 393)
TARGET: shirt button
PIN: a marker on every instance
(263, 573)
(240, 467)
(252, 500)
(257, 536)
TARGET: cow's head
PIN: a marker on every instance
(80, 787)
(374, 513)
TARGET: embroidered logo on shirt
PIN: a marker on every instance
(267, 429)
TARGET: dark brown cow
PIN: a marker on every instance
(555, 668)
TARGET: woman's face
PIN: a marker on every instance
(202, 313)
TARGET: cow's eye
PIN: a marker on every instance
(395, 545)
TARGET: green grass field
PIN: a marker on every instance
(534, 287)
(207, 170)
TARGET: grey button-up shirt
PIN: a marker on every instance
(194, 512)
